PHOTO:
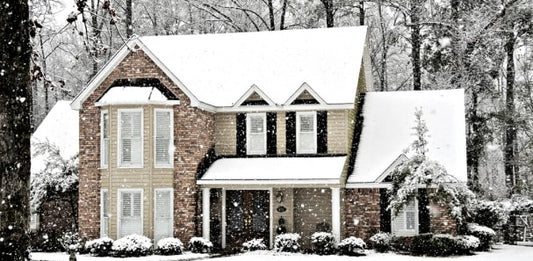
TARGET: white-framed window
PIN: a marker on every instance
(256, 133)
(130, 137)
(406, 222)
(104, 139)
(163, 213)
(163, 138)
(34, 221)
(130, 210)
(104, 213)
(306, 132)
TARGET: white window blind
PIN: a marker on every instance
(163, 138)
(130, 213)
(406, 222)
(131, 138)
(163, 214)
(104, 214)
(104, 139)
(306, 132)
(256, 130)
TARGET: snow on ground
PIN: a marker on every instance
(500, 252)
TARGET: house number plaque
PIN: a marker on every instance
(281, 209)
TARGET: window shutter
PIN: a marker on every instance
(423, 211)
(241, 134)
(131, 138)
(322, 131)
(384, 214)
(163, 134)
(290, 132)
(271, 118)
(131, 213)
(163, 214)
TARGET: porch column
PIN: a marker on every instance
(205, 212)
(336, 213)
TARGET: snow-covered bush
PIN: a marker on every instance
(352, 246)
(466, 244)
(169, 246)
(381, 242)
(485, 234)
(70, 242)
(323, 243)
(288, 242)
(99, 247)
(254, 245)
(489, 213)
(200, 245)
(132, 245)
(435, 245)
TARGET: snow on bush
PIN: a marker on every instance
(485, 235)
(489, 213)
(169, 246)
(381, 242)
(100, 246)
(254, 245)
(287, 242)
(200, 245)
(132, 245)
(352, 246)
(70, 242)
(323, 243)
(467, 244)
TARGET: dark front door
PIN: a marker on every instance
(247, 216)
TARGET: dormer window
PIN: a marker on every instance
(306, 132)
(256, 133)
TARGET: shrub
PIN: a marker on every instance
(132, 245)
(420, 244)
(402, 244)
(169, 246)
(323, 243)
(441, 245)
(352, 246)
(489, 213)
(287, 243)
(381, 242)
(254, 245)
(99, 247)
(436, 245)
(70, 242)
(485, 235)
(467, 244)
(200, 245)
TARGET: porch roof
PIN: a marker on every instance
(275, 171)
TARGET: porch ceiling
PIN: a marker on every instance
(277, 171)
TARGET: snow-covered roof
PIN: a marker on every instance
(132, 95)
(217, 69)
(387, 131)
(275, 170)
(60, 127)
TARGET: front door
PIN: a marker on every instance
(247, 216)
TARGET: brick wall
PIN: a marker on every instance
(362, 205)
(440, 221)
(194, 137)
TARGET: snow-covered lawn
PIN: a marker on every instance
(500, 252)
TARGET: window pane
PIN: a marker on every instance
(410, 220)
(306, 123)
(256, 142)
(126, 204)
(163, 135)
(131, 138)
(257, 124)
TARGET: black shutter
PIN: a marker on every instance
(241, 134)
(290, 132)
(423, 211)
(384, 214)
(271, 133)
(322, 131)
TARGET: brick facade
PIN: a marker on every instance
(362, 206)
(440, 221)
(193, 138)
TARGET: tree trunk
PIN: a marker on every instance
(15, 129)
(328, 6)
(283, 12)
(129, 19)
(384, 52)
(510, 125)
(415, 43)
(456, 65)
(271, 15)
(362, 12)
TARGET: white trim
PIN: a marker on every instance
(399, 160)
(277, 182)
(298, 115)
(336, 213)
(271, 221)
(367, 185)
(119, 207)
(171, 141)
(102, 234)
(280, 108)
(206, 215)
(119, 143)
(248, 132)
(301, 89)
(223, 218)
(171, 190)
(250, 91)
(102, 113)
(147, 102)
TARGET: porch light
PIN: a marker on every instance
(279, 196)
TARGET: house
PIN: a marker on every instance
(240, 136)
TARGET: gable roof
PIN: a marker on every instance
(387, 131)
(215, 70)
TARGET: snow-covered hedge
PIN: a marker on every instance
(287, 242)
(132, 245)
(485, 234)
(352, 246)
(200, 245)
(254, 245)
(70, 241)
(467, 244)
(169, 246)
(436, 245)
(99, 247)
(381, 241)
(323, 243)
